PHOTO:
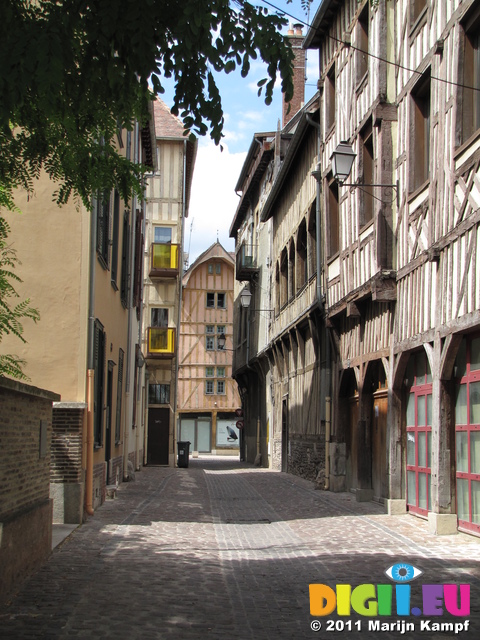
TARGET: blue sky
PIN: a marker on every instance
(214, 201)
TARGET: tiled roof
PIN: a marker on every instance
(166, 124)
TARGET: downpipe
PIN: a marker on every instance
(89, 466)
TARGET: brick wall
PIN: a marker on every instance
(25, 506)
(116, 469)
(66, 459)
(67, 476)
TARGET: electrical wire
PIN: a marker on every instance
(367, 53)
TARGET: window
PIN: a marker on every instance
(220, 299)
(312, 241)
(419, 434)
(162, 235)
(416, 8)
(220, 387)
(102, 209)
(220, 372)
(209, 387)
(277, 288)
(125, 243)
(138, 271)
(329, 92)
(367, 173)
(115, 238)
(210, 372)
(301, 278)
(118, 417)
(469, 102)
(215, 268)
(420, 141)
(99, 376)
(158, 394)
(362, 44)
(291, 271)
(211, 330)
(159, 318)
(283, 278)
(210, 341)
(210, 300)
(467, 433)
(220, 330)
(333, 219)
(128, 150)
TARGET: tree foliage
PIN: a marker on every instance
(72, 71)
(11, 313)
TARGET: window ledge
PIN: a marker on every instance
(465, 145)
(418, 190)
(366, 226)
(102, 261)
(362, 82)
(333, 257)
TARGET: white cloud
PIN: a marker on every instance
(213, 200)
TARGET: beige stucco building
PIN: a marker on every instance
(207, 394)
(79, 269)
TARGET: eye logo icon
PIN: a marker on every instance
(402, 572)
(380, 600)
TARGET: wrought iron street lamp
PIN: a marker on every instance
(246, 299)
(342, 161)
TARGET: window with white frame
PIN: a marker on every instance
(210, 337)
(209, 387)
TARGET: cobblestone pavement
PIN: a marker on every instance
(223, 550)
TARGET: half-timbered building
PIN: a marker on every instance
(207, 394)
(400, 84)
(168, 200)
(281, 354)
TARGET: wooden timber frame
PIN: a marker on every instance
(402, 282)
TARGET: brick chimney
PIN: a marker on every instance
(296, 103)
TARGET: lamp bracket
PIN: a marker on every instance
(363, 184)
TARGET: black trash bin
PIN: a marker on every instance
(183, 453)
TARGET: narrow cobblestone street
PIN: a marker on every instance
(224, 550)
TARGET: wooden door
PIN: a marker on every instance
(379, 444)
(285, 435)
(158, 435)
(351, 472)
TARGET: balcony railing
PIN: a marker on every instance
(163, 260)
(161, 342)
(246, 263)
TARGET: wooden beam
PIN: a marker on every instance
(353, 310)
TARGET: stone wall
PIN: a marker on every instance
(25, 505)
(307, 457)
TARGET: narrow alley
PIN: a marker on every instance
(225, 550)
